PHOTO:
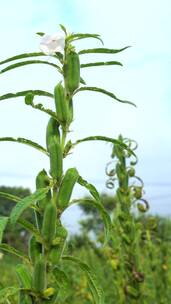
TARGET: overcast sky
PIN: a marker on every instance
(144, 79)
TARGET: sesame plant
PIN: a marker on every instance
(126, 240)
(40, 273)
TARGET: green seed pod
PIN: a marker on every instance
(39, 275)
(42, 181)
(72, 71)
(61, 104)
(58, 245)
(52, 130)
(56, 159)
(34, 249)
(65, 190)
(49, 223)
(38, 219)
(56, 253)
(24, 276)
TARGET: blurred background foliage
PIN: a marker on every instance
(155, 256)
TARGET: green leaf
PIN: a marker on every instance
(30, 227)
(93, 191)
(7, 248)
(91, 64)
(82, 81)
(102, 51)
(23, 63)
(97, 204)
(106, 139)
(40, 107)
(7, 292)
(99, 90)
(105, 217)
(24, 276)
(24, 93)
(95, 289)
(59, 56)
(26, 142)
(10, 197)
(26, 202)
(3, 223)
(101, 138)
(63, 28)
(40, 34)
(60, 277)
(22, 56)
(78, 36)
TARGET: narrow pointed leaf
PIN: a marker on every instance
(3, 223)
(91, 188)
(24, 276)
(82, 81)
(99, 90)
(60, 277)
(102, 51)
(101, 138)
(27, 202)
(30, 227)
(97, 204)
(11, 197)
(78, 36)
(95, 289)
(22, 56)
(91, 64)
(63, 28)
(59, 56)
(41, 34)
(23, 63)
(7, 248)
(26, 142)
(24, 93)
(106, 139)
(7, 292)
(41, 108)
(104, 215)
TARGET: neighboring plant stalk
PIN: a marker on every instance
(127, 230)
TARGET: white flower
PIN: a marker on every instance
(52, 43)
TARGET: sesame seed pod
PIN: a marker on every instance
(39, 275)
(61, 104)
(67, 185)
(72, 71)
(56, 159)
(34, 249)
(49, 223)
(42, 181)
(52, 130)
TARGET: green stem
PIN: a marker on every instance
(64, 135)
